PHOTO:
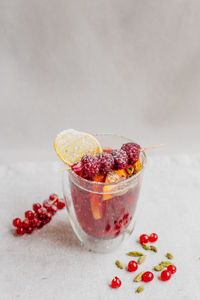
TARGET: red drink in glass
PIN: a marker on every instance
(103, 214)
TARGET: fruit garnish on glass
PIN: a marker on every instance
(71, 145)
(102, 185)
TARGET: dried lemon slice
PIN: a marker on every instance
(71, 145)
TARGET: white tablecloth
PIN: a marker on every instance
(51, 264)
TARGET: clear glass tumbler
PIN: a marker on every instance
(103, 214)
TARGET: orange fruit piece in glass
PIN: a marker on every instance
(96, 199)
(137, 166)
(113, 176)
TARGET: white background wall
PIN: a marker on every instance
(123, 66)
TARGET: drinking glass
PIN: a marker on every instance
(103, 214)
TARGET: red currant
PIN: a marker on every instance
(147, 276)
(29, 215)
(52, 209)
(116, 283)
(171, 269)
(117, 232)
(153, 237)
(20, 231)
(29, 230)
(36, 206)
(47, 204)
(125, 217)
(34, 222)
(165, 275)
(40, 223)
(117, 227)
(144, 239)
(53, 197)
(42, 212)
(40, 215)
(26, 223)
(48, 218)
(60, 204)
(17, 222)
(132, 266)
(108, 227)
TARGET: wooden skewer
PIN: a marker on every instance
(152, 147)
(143, 149)
(64, 169)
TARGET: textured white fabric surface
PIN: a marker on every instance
(51, 264)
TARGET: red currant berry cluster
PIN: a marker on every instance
(144, 238)
(166, 274)
(40, 216)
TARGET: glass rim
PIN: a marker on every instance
(81, 179)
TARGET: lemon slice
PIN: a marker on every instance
(71, 145)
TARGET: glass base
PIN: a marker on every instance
(104, 246)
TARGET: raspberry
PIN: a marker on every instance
(133, 152)
(90, 166)
(120, 159)
(77, 167)
(106, 161)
